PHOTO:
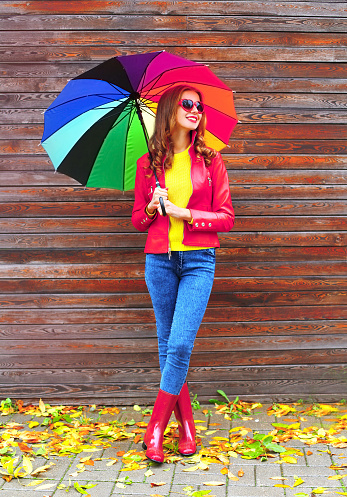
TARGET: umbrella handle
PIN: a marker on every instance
(162, 206)
(160, 198)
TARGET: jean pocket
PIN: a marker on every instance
(211, 251)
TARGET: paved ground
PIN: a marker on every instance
(257, 480)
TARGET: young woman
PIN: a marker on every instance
(180, 248)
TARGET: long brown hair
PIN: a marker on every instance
(161, 144)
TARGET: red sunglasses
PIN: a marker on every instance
(188, 104)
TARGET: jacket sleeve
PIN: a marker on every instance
(221, 218)
(139, 217)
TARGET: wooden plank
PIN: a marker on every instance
(133, 271)
(150, 375)
(110, 315)
(130, 285)
(139, 300)
(141, 330)
(261, 358)
(223, 69)
(92, 209)
(139, 38)
(245, 131)
(123, 394)
(253, 115)
(272, 177)
(135, 240)
(94, 21)
(238, 192)
(128, 255)
(259, 23)
(238, 146)
(232, 161)
(124, 225)
(189, 7)
(97, 209)
(202, 345)
(280, 162)
(150, 22)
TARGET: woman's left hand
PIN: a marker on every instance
(177, 212)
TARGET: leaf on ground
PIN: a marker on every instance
(46, 486)
(319, 490)
(336, 477)
(158, 484)
(41, 469)
(281, 485)
(34, 483)
(298, 481)
(240, 473)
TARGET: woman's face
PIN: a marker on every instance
(188, 119)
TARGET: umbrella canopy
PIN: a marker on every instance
(98, 126)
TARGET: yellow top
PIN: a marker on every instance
(180, 188)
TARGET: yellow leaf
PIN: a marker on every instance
(111, 463)
(210, 432)
(191, 468)
(232, 477)
(159, 484)
(289, 460)
(42, 468)
(278, 478)
(319, 490)
(137, 408)
(282, 485)
(120, 485)
(42, 407)
(213, 483)
(224, 471)
(298, 481)
(46, 486)
(149, 473)
(336, 477)
(32, 424)
(33, 483)
(27, 464)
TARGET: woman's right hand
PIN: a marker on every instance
(154, 203)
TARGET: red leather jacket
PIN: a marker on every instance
(210, 205)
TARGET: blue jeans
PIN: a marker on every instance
(179, 288)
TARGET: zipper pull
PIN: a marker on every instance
(209, 181)
(169, 252)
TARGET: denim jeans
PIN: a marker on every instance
(179, 288)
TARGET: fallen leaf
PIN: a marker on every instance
(319, 490)
(240, 473)
(298, 481)
(336, 477)
(232, 477)
(159, 484)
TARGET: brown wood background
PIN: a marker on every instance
(76, 323)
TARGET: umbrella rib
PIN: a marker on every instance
(84, 96)
(156, 79)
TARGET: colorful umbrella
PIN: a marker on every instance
(99, 124)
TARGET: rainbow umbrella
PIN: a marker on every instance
(98, 126)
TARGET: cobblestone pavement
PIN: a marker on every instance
(257, 480)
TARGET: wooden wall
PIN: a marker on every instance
(76, 323)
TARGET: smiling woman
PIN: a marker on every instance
(180, 247)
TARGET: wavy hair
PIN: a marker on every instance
(160, 144)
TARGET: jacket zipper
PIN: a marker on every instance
(191, 166)
(168, 224)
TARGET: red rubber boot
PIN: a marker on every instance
(186, 427)
(153, 439)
